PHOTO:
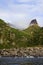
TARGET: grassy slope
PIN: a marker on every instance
(10, 37)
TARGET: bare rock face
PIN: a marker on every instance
(34, 21)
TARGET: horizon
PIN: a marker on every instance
(21, 12)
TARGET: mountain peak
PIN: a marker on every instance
(34, 21)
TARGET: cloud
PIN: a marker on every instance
(24, 0)
(20, 12)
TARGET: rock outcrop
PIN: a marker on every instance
(34, 21)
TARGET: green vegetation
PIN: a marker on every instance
(10, 37)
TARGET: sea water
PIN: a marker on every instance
(21, 60)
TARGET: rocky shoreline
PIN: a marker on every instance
(22, 52)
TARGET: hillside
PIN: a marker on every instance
(11, 37)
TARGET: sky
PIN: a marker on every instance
(20, 12)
